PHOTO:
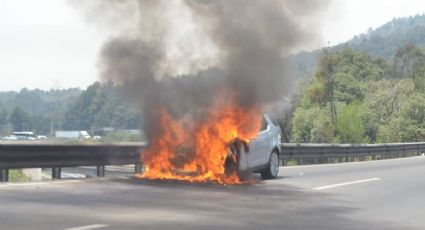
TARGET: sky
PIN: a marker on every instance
(47, 44)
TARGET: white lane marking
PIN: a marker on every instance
(88, 227)
(346, 183)
(38, 183)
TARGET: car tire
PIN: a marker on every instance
(272, 168)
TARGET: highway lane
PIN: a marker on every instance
(395, 201)
(398, 194)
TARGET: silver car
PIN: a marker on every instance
(260, 155)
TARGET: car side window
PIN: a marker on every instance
(263, 124)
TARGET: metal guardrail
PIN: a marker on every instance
(56, 156)
(345, 152)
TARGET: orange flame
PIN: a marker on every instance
(208, 139)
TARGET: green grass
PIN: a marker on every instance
(16, 175)
(292, 162)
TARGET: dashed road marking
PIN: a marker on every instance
(346, 183)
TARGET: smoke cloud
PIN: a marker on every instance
(182, 55)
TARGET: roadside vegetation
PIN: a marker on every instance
(16, 175)
(43, 112)
(355, 98)
(123, 136)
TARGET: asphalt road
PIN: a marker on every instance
(388, 194)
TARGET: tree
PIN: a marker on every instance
(99, 106)
(325, 87)
(20, 119)
(409, 124)
(323, 130)
(4, 121)
(350, 128)
(348, 89)
(302, 124)
(82, 114)
(408, 60)
(4, 118)
(41, 124)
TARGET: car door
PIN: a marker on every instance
(257, 152)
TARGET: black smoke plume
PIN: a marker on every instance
(180, 55)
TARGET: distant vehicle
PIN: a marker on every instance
(72, 134)
(97, 138)
(41, 137)
(26, 136)
(10, 138)
(260, 155)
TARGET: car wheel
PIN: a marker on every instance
(272, 168)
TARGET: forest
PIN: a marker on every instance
(356, 98)
(98, 106)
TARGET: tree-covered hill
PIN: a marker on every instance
(101, 106)
(382, 42)
(73, 109)
(34, 110)
(39, 102)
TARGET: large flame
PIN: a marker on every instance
(195, 149)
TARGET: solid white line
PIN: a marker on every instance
(38, 183)
(88, 227)
(346, 183)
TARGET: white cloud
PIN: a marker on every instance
(347, 18)
(45, 44)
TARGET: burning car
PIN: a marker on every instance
(259, 155)
(223, 150)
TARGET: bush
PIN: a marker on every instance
(302, 124)
(16, 175)
(349, 126)
(122, 136)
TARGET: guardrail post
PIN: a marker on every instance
(138, 168)
(56, 173)
(4, 175)
(300, 161)
(100, 170)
